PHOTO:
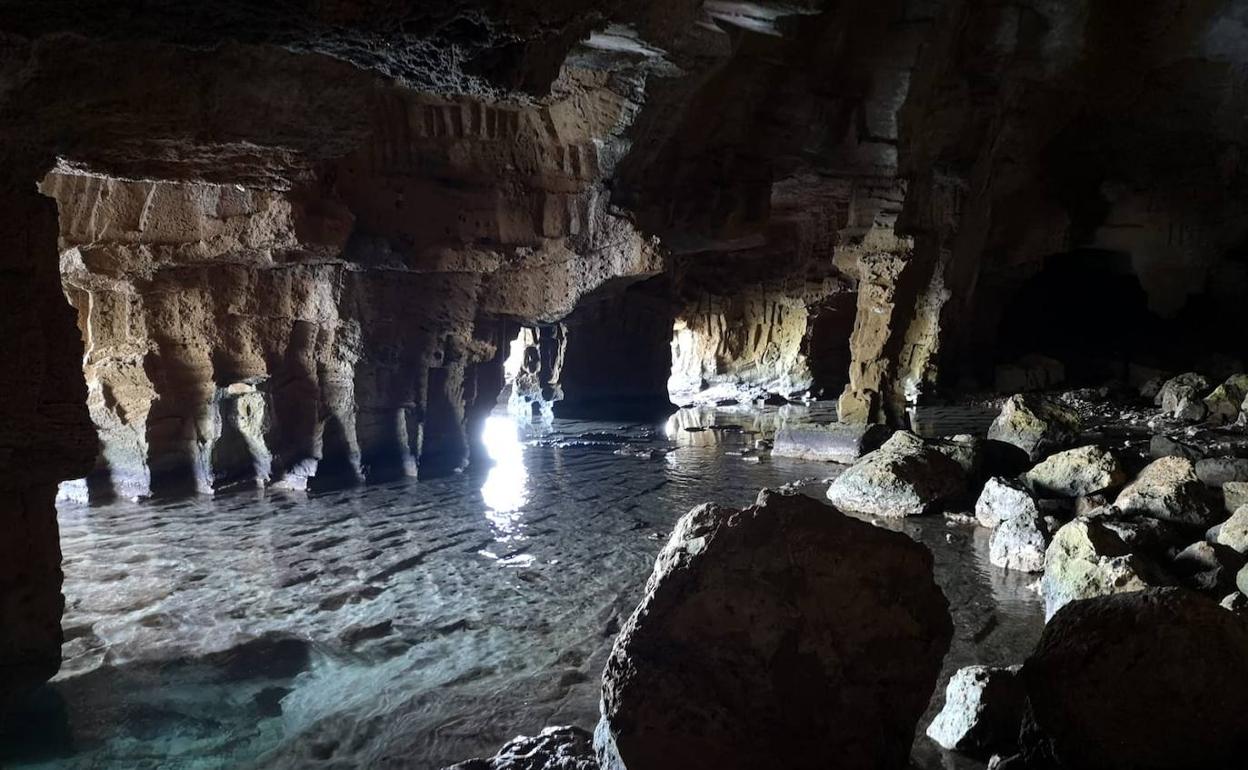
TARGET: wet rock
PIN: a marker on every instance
(1208, 566)
(837, 442)
(1152, 679)
(555, 748)
(296, 477)
(1180, 397)
(1036, 425)
(1076, 472)
(1222, 406)
(1234, 495)
(1087, 559)
(1142, 534)
(965, 450)
(1168, 489)
(1166, 446)
(1003, 499)
(983, 709)
(1019, 543)
(904, 477)
(782, 635)
(1233, 533)
(1216, 471)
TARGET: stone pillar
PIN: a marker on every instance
(45, 433)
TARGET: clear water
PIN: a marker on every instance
(412, 625)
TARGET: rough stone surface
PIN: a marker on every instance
(1019, 543)
(904, 477)
(1152, 679)
(1222, 406)
(982, 712)
(1181, 396)
(1035, 424)
(1234, 495)
(837, 442)
(1004, 499)
(1087, 559)
(1169, 489)
(1166, 446)
(1209, 567)
(1233, 532)
(1216, 471)
(555, 748)
(784, 654)
(1076, 473)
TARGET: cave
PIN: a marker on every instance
(551, 385)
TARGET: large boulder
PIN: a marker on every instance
(904, 477)
(1234, 495)
(1035, 425)
(1162, 445)
(1076, 473)
(1216, 471)
(1181, 396)
(1169, 489)
(1223, 404)
(1207, 566)
(837, 442)
(782, 635)
(1152, 680)
(1019, 543)
(1233, 533)
(556, 748)
(982, 712)
(1003, 499)
(1088, 559)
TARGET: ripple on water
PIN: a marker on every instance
(411, 624)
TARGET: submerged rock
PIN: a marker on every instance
(1169, 489)
(1003, 499)
(555, 748)
(982, 712)
(1180, 396)
(1035, 425)
(782, 635)
(1076, 473)
(904, 477)
(1153, 679)
(1087, 559)
(838, 442)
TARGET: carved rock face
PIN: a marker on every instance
(782, 635)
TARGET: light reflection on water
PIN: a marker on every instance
(356, 627)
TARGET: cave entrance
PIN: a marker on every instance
(531, 371)
(1085, 319)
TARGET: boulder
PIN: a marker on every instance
(1235, 602)
(1181, 397)
(1035, 425)
(1169, 489)
(1150, 680)
(1241, 581)
(982, 712)
(1222, 406)
(1216, 471)
(1142, 534)
(556, 748)
(1234, 495)
(1233, 533)
(1003, 499)
(1087, 559)
(1208, 566)
(782, 635)
(1019, 543)
(1166, 446)
(904, 477)
(837, 442)
(1075, 473)
(965, 450)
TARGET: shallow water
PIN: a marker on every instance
(414, 624)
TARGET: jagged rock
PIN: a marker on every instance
(1152, 679)
(904, 477)
(1165, 446)
(1234, 495)
(1087, 559)
(965, 450)
(555, 748)
(1207, 566)
(1142, 534)
(1076, 472)
(1233, 532)
(1216, 471)
(1035, 424)
(781, 652)
(1003, 499)
(838, 442)
(1019, 543)
(1180, 396)
(1168, 489)
(1223, 405)
(1235, 602)
(982, 711)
